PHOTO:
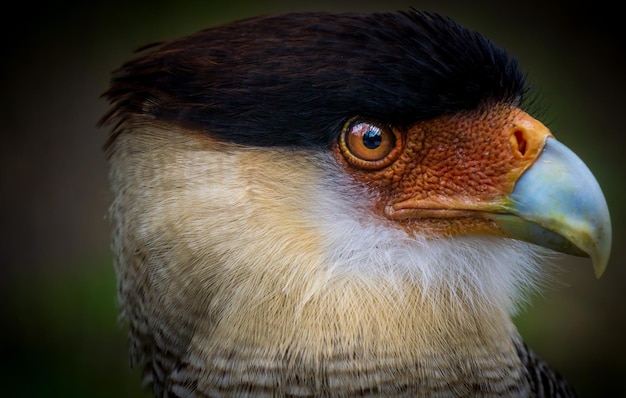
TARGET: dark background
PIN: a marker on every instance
(59, 334)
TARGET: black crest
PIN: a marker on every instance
(293, 80)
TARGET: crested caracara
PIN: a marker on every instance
(335, 205)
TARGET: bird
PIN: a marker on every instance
(338, 204)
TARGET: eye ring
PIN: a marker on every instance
(369, 144)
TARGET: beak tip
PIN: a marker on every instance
(599, 269)
(600, 257)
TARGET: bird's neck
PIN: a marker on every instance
(388, 340)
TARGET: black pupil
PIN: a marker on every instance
(372, 138)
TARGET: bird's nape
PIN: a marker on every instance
(338, 204)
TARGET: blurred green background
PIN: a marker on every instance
(59, 335)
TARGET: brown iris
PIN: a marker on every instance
(368, 144)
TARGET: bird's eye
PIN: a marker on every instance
(369, 145)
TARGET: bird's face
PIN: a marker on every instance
(457, 175)
(435, 188)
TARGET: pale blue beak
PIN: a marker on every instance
(557, 203)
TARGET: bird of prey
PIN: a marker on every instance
(338, 204)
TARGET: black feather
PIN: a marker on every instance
(293, 80)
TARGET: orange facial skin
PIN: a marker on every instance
(450, 172)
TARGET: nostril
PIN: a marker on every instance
(521, 141)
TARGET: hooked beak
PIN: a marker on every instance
(557, 203)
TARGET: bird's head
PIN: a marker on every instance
(335, 147)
